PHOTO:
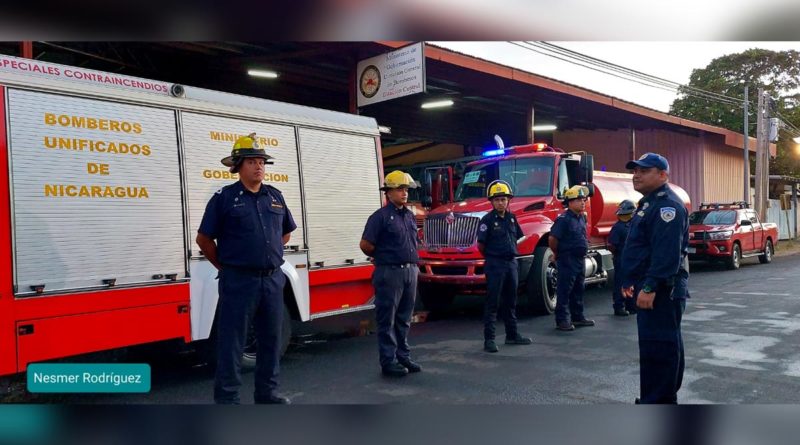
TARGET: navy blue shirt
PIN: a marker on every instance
(499, 235)
(619, 232)
(570, 231)
(657, 245)
(247, 226)
(393, 232)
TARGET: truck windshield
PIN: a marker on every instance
(714, 217)
(527, 177)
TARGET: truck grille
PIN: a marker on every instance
(460, 231)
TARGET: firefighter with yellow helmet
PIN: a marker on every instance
(243, 231)
(390, 237)
(498, 234)
(569, 242)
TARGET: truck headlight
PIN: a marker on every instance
(725, 234)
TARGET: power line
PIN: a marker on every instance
(788, 123)
(636, 73)
(673, 86)
(621, 72)
(586, 66)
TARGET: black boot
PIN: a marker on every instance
(394, 370)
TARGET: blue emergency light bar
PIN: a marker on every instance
(496, 152)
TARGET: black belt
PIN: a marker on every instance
(499, 258)
(399, 266)
(256, 272)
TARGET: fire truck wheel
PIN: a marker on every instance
(251, 345)
(542, 282)
(735, 259)
(766, 258)
(207, 348)
(436, 298)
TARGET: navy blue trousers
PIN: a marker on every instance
(661, 360)
(395, 293)
(502, 280)
(243, 299)
(569, 288)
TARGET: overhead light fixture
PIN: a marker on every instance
(438, 104)
(796, 140)
(384, 129)
(262, 73)
(544, 127)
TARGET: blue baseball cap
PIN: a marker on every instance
(649, 160)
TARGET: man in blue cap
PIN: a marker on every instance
(656, 272)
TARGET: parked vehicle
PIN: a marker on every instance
(104, 179)
(729, 232)
(538, 174)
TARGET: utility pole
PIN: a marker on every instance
(746, 146)
(761, 136)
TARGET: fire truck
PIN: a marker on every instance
(104, 179)
(450, 262)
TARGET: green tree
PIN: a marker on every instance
(778, 72)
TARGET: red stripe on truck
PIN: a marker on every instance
(7, 344)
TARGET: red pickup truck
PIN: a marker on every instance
(730, 232)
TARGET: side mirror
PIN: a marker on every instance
(587, 168)
(746, 222)
(427, 188)
(448, 187)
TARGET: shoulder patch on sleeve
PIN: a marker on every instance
(668, 213)
(483, 227)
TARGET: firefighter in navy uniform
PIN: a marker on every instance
(498, 234)
(656, 273)
(251, 223)
(616, 243)
(569, 243)
(390, 237)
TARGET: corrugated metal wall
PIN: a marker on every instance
(611, 150)
(722, 171)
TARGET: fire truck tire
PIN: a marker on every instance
(249, 355)
(734, 261)
(542, 282)
(766, 258)
(436, 298)
(208, 351)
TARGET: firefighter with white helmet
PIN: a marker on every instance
(569, 242)
(498, 234)
(390, 237)
(250, 223)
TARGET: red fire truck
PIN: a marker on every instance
(103, 182)
(538, 174)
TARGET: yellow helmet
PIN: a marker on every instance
(575, 192)
(244, 147)
(397, 179)
(498, 189)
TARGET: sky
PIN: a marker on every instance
(673, 61)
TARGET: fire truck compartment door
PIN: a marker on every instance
(341, 184)
(96, 193)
